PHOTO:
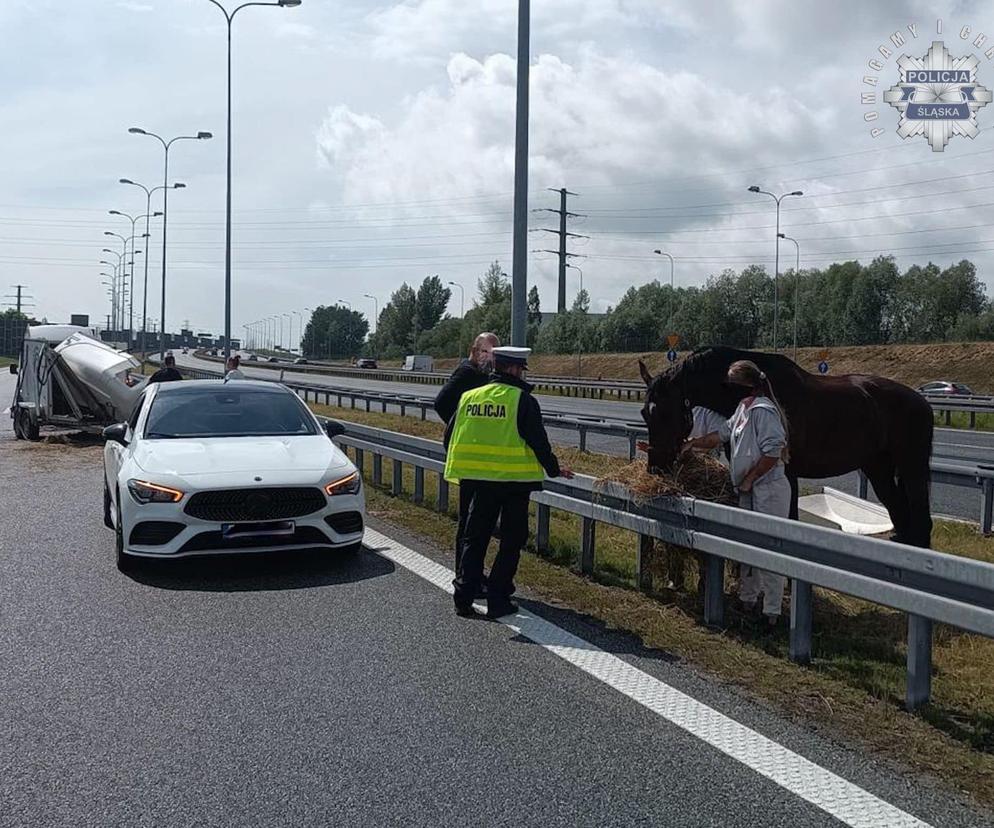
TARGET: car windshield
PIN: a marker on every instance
(222, 412)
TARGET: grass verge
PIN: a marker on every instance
(855, 683)
(961, 419)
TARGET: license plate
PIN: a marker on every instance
(275, 528)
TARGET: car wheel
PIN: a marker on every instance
(125, 563)
(108, 522)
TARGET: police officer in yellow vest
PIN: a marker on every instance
(497, 448)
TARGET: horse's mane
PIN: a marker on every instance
(701, 362)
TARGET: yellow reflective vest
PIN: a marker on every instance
(485, 443)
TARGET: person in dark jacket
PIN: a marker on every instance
(469, 374)
(497, 450)
(167, 373)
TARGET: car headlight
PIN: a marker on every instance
(144, 492)
(350, 484)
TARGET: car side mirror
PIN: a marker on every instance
(334, 428)
(13, 368)
(116, 433)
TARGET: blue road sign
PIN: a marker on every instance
(823, 367)
(671, 355)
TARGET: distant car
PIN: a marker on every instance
(252, 358)
(202, 468)
(272, 359)
(944, 388)
(300, 361)
(365, 362)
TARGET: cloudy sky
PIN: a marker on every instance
(374, 144)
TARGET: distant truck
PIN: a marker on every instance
(418, 363)
(67, 378)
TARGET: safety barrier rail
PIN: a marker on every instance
(929, 586)
(944, 470)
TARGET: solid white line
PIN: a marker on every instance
(844, 800)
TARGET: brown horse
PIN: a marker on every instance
(835, 425)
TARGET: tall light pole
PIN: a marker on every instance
(200, 136)
(300, 331)
(462, 299)
(229, 17)
(672, 266)
(118, 276)
(776, 272)
(797, 287)
(156, 214)
(348, 326)
(310, 311)
(519, 268)
(289, 335)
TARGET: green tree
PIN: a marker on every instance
(494, 286)
(395, 331)
(430, 304)
(335, 332)
(534, 306)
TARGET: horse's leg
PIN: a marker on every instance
(914, 492)
(881, 477)
(794, 494)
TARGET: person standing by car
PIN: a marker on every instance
(471, 373)
(167, 373)
(498, 452)
(233, 369)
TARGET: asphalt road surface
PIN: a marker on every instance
(311, 691)
(959, 445)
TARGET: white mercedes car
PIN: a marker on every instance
(205, 467)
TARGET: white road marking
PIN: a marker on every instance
(844, 800)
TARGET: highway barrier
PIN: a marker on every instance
(929, 586)
(964, 474)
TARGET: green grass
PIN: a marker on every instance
(961, 419)
(5, 361)
(856, 680)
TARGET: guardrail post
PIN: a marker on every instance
(383, 403)
(327, 398)
(643, 572)
(359, 460)
(987, 506)
(367, 404)
(542, 515)
(443, 495)
(403, 409)
(583, 438)
(377, 469)
(419, 484)
(714, 590)
(973, 419)
(949, 417)
(863, 491)
(397, 486)
(424, 412)
(340, 401)
(800, 621)
(632, 439)
(919, 661)
(587, 539)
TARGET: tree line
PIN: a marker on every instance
(847, 303)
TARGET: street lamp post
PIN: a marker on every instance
(289, 332)
(519, 266)
(776, 272)
(300, 331)
(672, 266)
(200, 136)
(797, 286)
(314, 335)
(348, 325)
(462, 299)
(229, 17)
(148, 214)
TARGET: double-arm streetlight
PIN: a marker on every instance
(797, 286)
(148, 210)
(462, 299)
(776, 273)
(166, 144)
(672, 266)
(229, 17)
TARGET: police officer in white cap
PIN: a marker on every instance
(498, 450)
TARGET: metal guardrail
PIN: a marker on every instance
(944, 470)
(928, 586)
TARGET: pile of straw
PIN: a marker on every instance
(693, 475)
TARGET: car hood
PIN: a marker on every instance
(276, 459)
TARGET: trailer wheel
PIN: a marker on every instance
(24, 429)
(18, 434)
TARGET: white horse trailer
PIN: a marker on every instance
(67, 378)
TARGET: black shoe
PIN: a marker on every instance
(466, 611)
(481, 590)
(501, 608)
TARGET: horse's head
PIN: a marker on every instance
(668, 414)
